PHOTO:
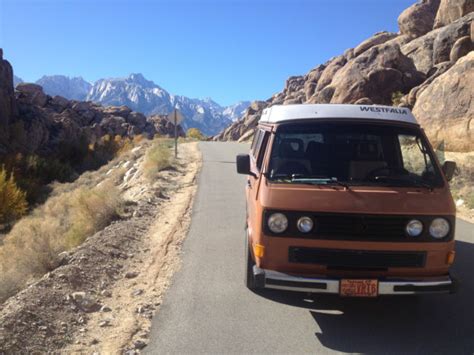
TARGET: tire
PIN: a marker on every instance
(249, 277)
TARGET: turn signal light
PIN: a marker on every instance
(450, 258)
(258, 250)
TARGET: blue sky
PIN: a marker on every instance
(228, 50)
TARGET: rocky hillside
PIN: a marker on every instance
(428, 66)
(144, 96)
(34, 122)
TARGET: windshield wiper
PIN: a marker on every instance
(407, 179)
(318, 180)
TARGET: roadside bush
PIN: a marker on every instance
(31, 248)
(396, 98)
(157, 158)
(13, 203)
(195, 133)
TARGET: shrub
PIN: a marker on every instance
(63, 222)
(397, 98)
(195, 134)
(157, 158)
(13, 203)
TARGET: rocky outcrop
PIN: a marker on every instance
(451, 10)
(448, 35)
(164, 127)
(7, 99)
(47, 121)
(419, 18)
(446, 107)
(411, 66)
(375, 74)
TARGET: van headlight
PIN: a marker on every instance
(439, 228)
(414, 228)
(305, 224)
(277, 222)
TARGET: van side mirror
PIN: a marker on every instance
(243, 164)
(449, 167)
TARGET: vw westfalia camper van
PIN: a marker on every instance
(348, 200)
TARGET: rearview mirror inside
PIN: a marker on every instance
(449, 167)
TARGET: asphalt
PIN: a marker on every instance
(208, 309)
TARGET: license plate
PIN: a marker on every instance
(359, 288)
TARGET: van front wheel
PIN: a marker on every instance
(249, 277)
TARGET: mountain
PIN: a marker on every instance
(17, 80)
(70, 88)
(427, 67)
(133, 91)
(142, 95)
(147, 97)
(237, 110)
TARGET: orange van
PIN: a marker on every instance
(348, 200)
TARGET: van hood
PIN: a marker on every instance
(357, 199)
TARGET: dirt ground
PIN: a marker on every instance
(105, 293)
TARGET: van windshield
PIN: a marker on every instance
(352, 154)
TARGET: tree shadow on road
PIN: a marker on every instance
(425, 324)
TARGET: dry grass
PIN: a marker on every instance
(31, 248)
(157, 158)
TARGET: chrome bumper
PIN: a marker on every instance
(280, 281)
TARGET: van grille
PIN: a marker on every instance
(360, 227)
(367, 227)
(336, 258)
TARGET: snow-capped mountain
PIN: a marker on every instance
(133, 91)
(237, 110)
(147, 97)
(70, 88)
(144, 96)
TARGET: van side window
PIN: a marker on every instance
(262, 150)
(258, 141)
(254, 141)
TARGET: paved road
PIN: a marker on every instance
(208, 309)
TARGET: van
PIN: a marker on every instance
(348, 200)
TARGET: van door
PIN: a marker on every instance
(257, 154)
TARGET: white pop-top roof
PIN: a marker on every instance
(281, 113)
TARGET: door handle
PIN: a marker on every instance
(249, 184)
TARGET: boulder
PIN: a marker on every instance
(122, 111)
(7, 96)
(59, 103)
(364, 101)
(448, 35)
(376, 39)
(420, 50)
(418, 19)
(451, 10)
(32, 94)
(137, 119)
(332, 67)
(460, 48)
(445, 107)
(294, 83)
(375, 74)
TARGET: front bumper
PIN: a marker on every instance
(281, 281)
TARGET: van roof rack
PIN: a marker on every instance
(284, 113)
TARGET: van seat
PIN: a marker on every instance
(291, 158)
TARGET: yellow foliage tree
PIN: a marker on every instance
(13, 203)
(195, 134)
